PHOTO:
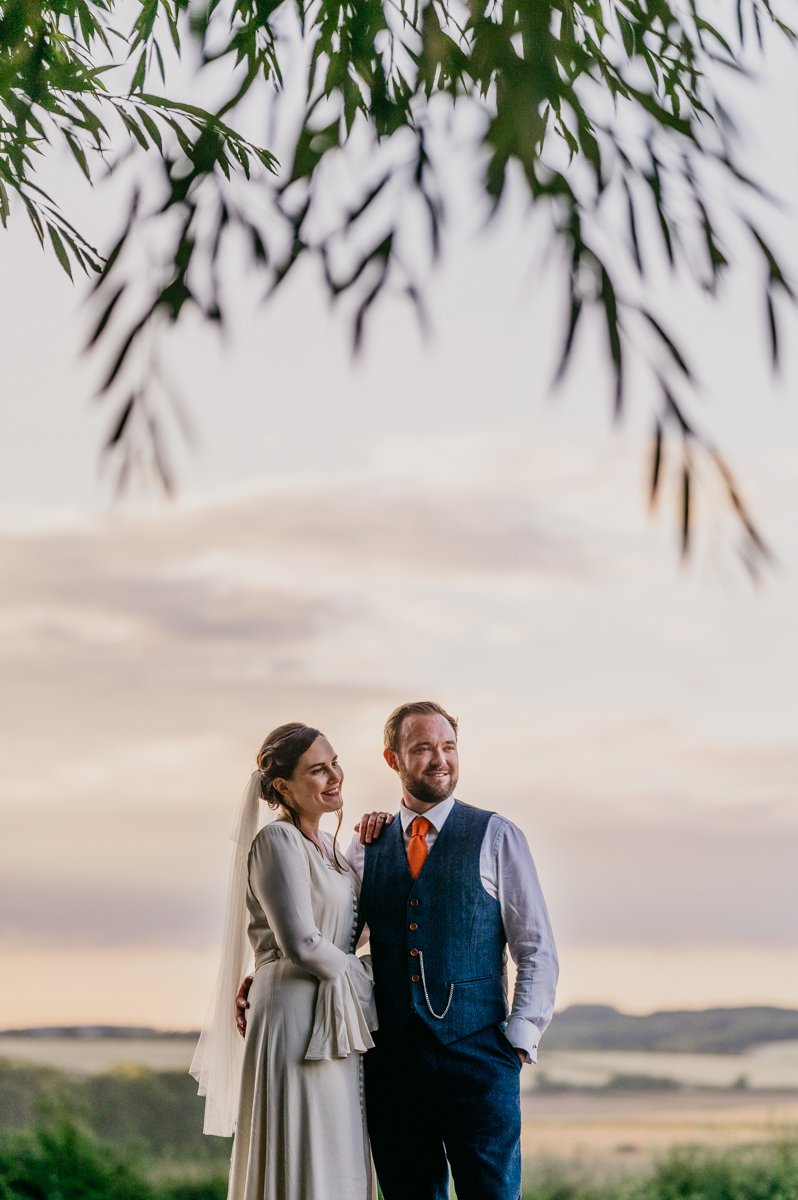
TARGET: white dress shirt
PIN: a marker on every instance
(508, 875)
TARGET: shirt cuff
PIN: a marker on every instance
(523, 1035)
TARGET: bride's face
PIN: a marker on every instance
(315, 786)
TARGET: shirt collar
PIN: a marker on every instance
(435, 815)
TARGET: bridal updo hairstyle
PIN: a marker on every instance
(278, 758)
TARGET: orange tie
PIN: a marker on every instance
(417, 850)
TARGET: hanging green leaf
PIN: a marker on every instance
(60, 251)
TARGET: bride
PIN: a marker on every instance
(293, 1089)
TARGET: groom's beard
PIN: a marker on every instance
(428, 790)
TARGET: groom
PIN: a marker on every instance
(446, 889)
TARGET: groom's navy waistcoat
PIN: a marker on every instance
(441, 930)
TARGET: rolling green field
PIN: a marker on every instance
(61, 1160)
(134, 1133)
(768, 1066)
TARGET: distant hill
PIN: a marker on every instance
(579, 1027)
(98, 1031)
(706, 1031)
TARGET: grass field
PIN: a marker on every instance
(770, 1067)
(630, 1130)
(623, 1128)
(60, 1160)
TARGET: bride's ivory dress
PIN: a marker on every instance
(301, 1129)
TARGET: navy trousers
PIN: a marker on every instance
(428, 1103)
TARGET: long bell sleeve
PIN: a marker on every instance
(279, 879)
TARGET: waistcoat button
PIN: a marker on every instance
(413, 926)
(414, 903)
(415, 979)
(414, 953)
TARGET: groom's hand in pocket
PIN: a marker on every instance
(242, 1004)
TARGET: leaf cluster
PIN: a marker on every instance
(604, 113)
(56, 61)
(58, 1160)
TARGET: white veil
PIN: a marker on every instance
(219, 1056)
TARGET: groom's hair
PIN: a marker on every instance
(393, 725)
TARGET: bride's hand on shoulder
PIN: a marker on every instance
(371, 825)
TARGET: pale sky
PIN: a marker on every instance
(427, 522)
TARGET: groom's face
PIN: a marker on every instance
(426, 757)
